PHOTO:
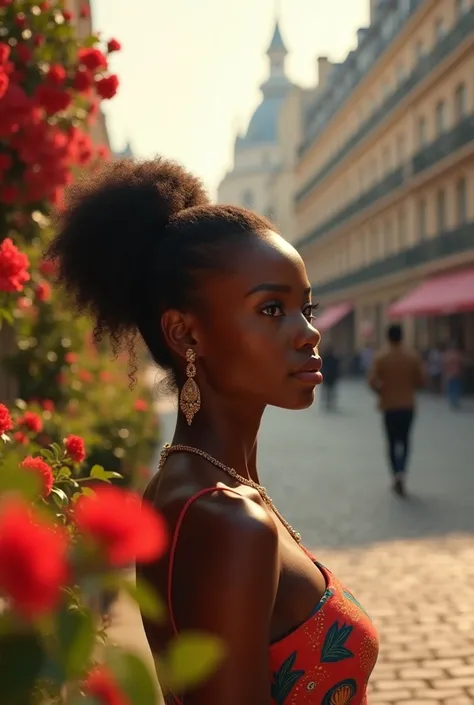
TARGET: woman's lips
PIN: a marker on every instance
(310, 372)
(313, 378)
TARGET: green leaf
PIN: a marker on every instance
(191, 658)
(59, 497)
(99, 473)
(21, 660)
(146, 598)
(14, 479)
(133, 676)
(48, 455)
(76, 634)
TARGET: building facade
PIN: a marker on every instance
(262, 176)
(385, 179)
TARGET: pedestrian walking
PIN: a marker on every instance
(395, 376)
(434, 366)
(331, 370)
(224, 305)
(453, 364)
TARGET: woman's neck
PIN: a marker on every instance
(226, 431)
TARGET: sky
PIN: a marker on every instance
(190, 70)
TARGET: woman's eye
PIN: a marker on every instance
(309, 311)
(273, 310)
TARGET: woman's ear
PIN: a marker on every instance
(179, 332)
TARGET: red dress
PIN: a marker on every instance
(328, 659)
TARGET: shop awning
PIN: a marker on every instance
(332, 315)
(441, 295)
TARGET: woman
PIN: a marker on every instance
(223, 304)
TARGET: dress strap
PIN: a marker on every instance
(174, 542)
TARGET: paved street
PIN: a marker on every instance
(410, 562)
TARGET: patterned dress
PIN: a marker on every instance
(328, 659)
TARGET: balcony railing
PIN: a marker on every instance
(445, 145)
(452, 242)
(463, 29)
(392, 181)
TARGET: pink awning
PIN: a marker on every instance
(441, 295)
(332, 315)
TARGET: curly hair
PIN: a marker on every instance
(130, 243)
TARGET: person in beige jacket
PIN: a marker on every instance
(396, 374)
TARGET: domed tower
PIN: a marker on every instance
(257, 152)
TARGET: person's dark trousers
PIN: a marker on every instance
(329, 394)
(398, 424)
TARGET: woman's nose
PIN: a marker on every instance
(309, 335)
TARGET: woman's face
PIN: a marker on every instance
(256, 340)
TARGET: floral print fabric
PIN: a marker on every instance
(329, 658)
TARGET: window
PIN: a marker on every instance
(400, 74)
(421, 132)
(441, 117)
(388, 238)
(402, 229)
(401, 149)
(419, 51)
(439, 29)
(374, 243)
(441, 211)
(248, 199)
(422, 219)
(462, 7)
(461, 201)
(460, 102)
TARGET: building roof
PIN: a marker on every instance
(263, 124)
(277, 44)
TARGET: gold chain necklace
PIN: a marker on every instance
(167, 450)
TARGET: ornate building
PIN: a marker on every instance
(385, 196)
(264, 155)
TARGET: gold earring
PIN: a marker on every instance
(190, 397)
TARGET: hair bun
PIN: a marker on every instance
(108, 231)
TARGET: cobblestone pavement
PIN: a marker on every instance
(411, 563)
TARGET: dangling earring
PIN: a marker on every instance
(190, 397)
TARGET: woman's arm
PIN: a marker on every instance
(225, 580)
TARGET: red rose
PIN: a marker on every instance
(24, 53)
(56, 74)
(53, 99)
(43, 292)
(113, 45)
(47, 405)
(31, 421)
(38, 40)
(67, 15)
(140, 405)
(33, 559)
(44, 6)
(5, 162)
(124, 527)
(47, 267)
(75, 448)
(105, 376)
(93, 59)
(20, 20)
(13, 267)
(4, 83)
(85, 376)
(107, 87)
(4, 53)
(83, 80)
(21, 438)
(6, 422)
(70, 358)
(9, 194)
(85, 12)
(39, 466)
(101, 685)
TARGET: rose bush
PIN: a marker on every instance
(62, 544)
